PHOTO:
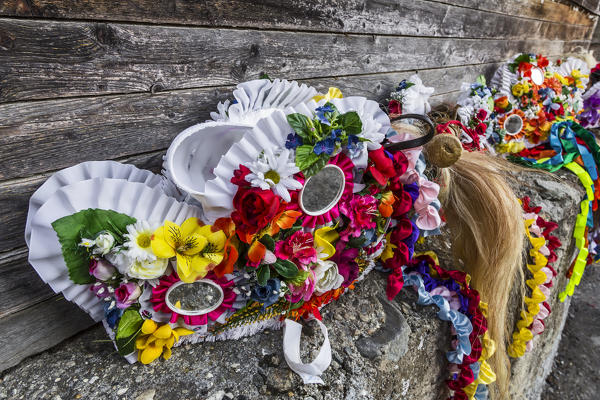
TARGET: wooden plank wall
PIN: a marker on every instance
(99, 79)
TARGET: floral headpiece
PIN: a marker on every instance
(275, 208)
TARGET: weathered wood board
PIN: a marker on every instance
(118, 80)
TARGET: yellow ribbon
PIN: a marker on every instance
(579, 231)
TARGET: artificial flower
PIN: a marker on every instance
(395, 107)
(324, 239)
(325, 146)
(285, 219)
(111, 314)
(274, 172)
(386, 204)
(381, 166)
(254, 210)
(196, 247)
(159, 304)
(299, 248)
(87, 243)
(332, 93)
(345, 259)
(104, 242)
(327, 277)
(231, 251)
(520, 88)
(293, 140)
(100, 290)
(155, 340)
(268, 294)
(301, 290)
(101, 269)
(126, 294)
(138, 242)
(323, 113)
(150, 269)
(361, 212)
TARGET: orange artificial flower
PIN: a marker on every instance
(231, 252)
(385, 206)
(284, 220)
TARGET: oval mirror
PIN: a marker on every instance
(537, 76)
(196, 298)
(323, 190)
(513, 124)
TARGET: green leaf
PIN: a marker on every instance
(481, 80)
(128, 329)
(305, 157)
(294, 306)
(70, 230)
(351, 123)
(316, 166)
(263, 273)
(490, 102)
(286, 269)
(268, 241)
(299, 279)
(264, 75)
(301, 124)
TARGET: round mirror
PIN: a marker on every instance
(513, 125)
(196, 298)
(323, 190)
(537, 76)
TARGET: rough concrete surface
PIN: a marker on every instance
(381, 350)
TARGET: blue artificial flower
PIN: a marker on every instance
(293, 141)
(336, 134)
(268, 294)
(401, 85)
(354, 146)
(324, 146)
(113, 315)
(320, 111)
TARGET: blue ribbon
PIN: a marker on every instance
(462, 324)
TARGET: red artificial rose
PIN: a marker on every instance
(542, 62)
(395, 107)
(255, 208)
(481, 114)
(480, 129)
(239, 176)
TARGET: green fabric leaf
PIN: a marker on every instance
(128, 329)
(263, 273)
(286, 269)
(299, 278)
(481, 80)
(301, 124)
(268, 241)
(87, 223)
(305, 157)
(316, 166)
(351, 123)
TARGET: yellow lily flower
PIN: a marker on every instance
(333, 93)
(194, 245)
(155, 341)
(324, 238)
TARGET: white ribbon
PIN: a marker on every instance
(310, 373)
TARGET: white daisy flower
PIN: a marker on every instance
(274, 172)
(138, 242)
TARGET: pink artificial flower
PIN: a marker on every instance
(345, 258)
(101, 269)
(303, 291)
(127, 294)
(360, 210)
(298, 248)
